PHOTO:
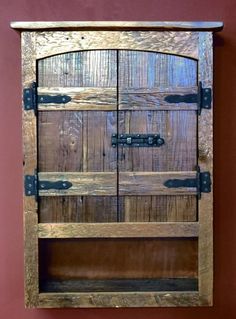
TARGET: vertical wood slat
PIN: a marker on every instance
(205, 138)
(30, 163)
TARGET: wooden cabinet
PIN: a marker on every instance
(117, 122)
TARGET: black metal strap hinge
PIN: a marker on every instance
(202, 98)
(33, 185)
(202, 182)
(31, 98)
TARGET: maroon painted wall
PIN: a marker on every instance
(11, 235)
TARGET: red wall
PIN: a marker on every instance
(11, 236)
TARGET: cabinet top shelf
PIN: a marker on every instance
(119, 25)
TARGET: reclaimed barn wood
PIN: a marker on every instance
(93, 184)
(105, 183)
(117, 300)
(145, 71)
(205, 138)
(80, 140)
(178, 43)
(82, 98)
(30, 162)
(113, 230)
(155, 99)
(129, 239)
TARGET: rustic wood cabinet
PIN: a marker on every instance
(117, 122)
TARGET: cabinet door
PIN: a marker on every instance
(74, 139)
(146, 82)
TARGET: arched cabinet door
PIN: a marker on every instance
(118, 165)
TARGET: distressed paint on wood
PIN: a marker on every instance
(205, 137)
(180, 43)
(30, 163)
(113, 230)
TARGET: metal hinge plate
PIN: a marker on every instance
(202, 98)
(33, 185)
(31, 98)
(202, 182)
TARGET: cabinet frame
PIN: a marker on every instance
(42, 39)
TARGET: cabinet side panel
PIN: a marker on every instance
(30, 164)
(205, 138)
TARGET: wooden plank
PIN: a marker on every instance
(93, 68)
(114, 230)
(30, 163)
(117, 300)
(175, 42)
(78, 209)
(115, 285)
(119, 25)
(152, 183)
(205, 160)
(154, 99)
(158, 208)
(82, 98)
(84, 183)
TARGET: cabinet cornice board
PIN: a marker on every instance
(118, 162)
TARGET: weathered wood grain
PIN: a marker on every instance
(154, 99)
(119, 25)
(180, 43)
(114, 230)
(78, 209)
(92, 68)
(82, 98)
(205, 160)
(80, 141)
(30, 164)
(86, 183)
(152, 183)
(117, 300)
(141, 76)
(159, 208)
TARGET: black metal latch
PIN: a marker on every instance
(202, 98)
(137, 140)
(33, 185)
(31, 98)
(202, 182)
